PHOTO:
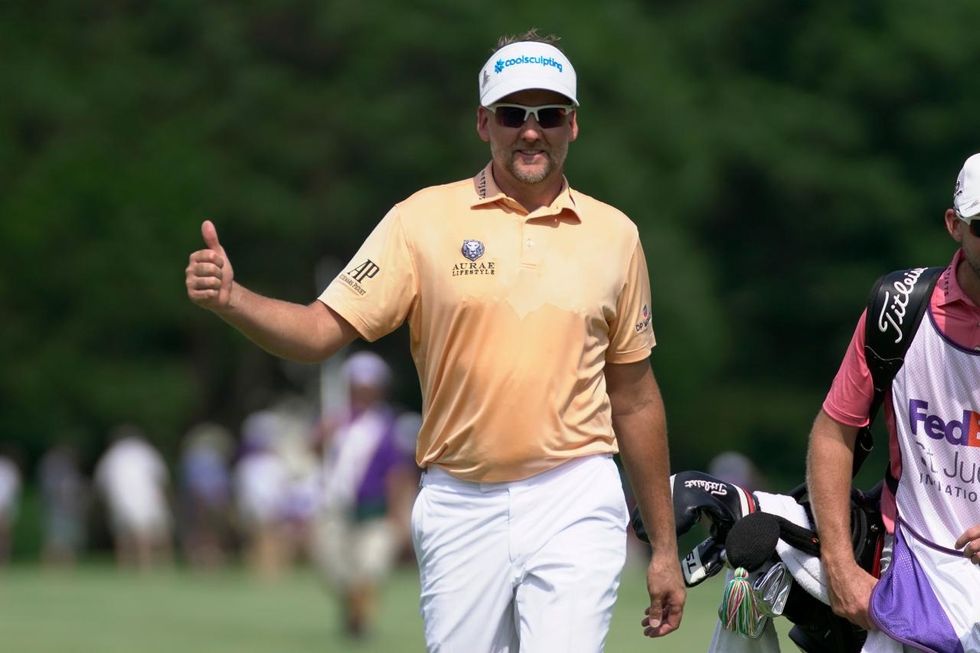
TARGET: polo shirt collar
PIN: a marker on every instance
(952, 292)
(487, 192)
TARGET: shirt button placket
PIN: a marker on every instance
(530, 256)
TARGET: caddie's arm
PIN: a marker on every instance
(641, 430)
(829, 462)
(307, 334)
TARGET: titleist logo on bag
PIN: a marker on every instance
(893, 311)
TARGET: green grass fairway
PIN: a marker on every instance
(95, 609)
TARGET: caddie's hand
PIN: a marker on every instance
(849, 589)
(969, 541)
(209, 274)
(667, 596)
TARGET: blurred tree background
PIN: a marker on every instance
(777, 157)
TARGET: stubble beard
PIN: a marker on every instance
(524, 175)
(530, 177)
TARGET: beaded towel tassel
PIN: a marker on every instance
(738, 611)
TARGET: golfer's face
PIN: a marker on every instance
(529, 153)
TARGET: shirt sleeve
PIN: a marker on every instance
(631, 335)
(376, 290)
(850, 395)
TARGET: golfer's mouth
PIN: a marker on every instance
(531, 155)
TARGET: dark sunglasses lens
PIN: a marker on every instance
(975, 227)
(510, 116)
(552, 117)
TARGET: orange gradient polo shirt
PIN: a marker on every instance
(512, 317)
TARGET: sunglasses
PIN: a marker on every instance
(548, 116)
(973, 221)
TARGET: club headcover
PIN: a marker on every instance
(695, 494)
(752, 540)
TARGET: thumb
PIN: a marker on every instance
(655, 612)
(210, 235)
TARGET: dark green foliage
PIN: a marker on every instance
(776, 156)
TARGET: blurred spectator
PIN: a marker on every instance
(10, 485)
(369, 484)
(298, 509)
(407, 427)
(737, 468)
(205, 495)
(133, 479)
(65, 499)
(260, 486)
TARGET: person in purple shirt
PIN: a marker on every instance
(369, 480)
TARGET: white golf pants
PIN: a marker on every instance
(528, 566)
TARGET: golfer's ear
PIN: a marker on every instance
(483, 116)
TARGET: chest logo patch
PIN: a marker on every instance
(472, 249)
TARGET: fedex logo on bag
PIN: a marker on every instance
(964, 432)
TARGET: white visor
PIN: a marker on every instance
(526, 65)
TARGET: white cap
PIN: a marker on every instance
(526, 65)
(966, 194)
(367, 368)
(260, 430)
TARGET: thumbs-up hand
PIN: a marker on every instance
(209, 274)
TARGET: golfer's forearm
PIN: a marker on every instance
(645, 457)
(307, 334)
(640, 425)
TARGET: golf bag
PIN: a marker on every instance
(744, 535)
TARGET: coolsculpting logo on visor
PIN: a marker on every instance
(499, 66)
(964, 432)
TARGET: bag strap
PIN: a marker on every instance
(897, 302)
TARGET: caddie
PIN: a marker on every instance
(928, 593)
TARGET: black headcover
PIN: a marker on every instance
(751, 542)
(696, 495)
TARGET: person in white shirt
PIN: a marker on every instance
(133, 480)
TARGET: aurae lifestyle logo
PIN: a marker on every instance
(358, 274)
(473, 250)
(477, 268)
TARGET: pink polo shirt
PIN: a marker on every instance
(850, 395)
